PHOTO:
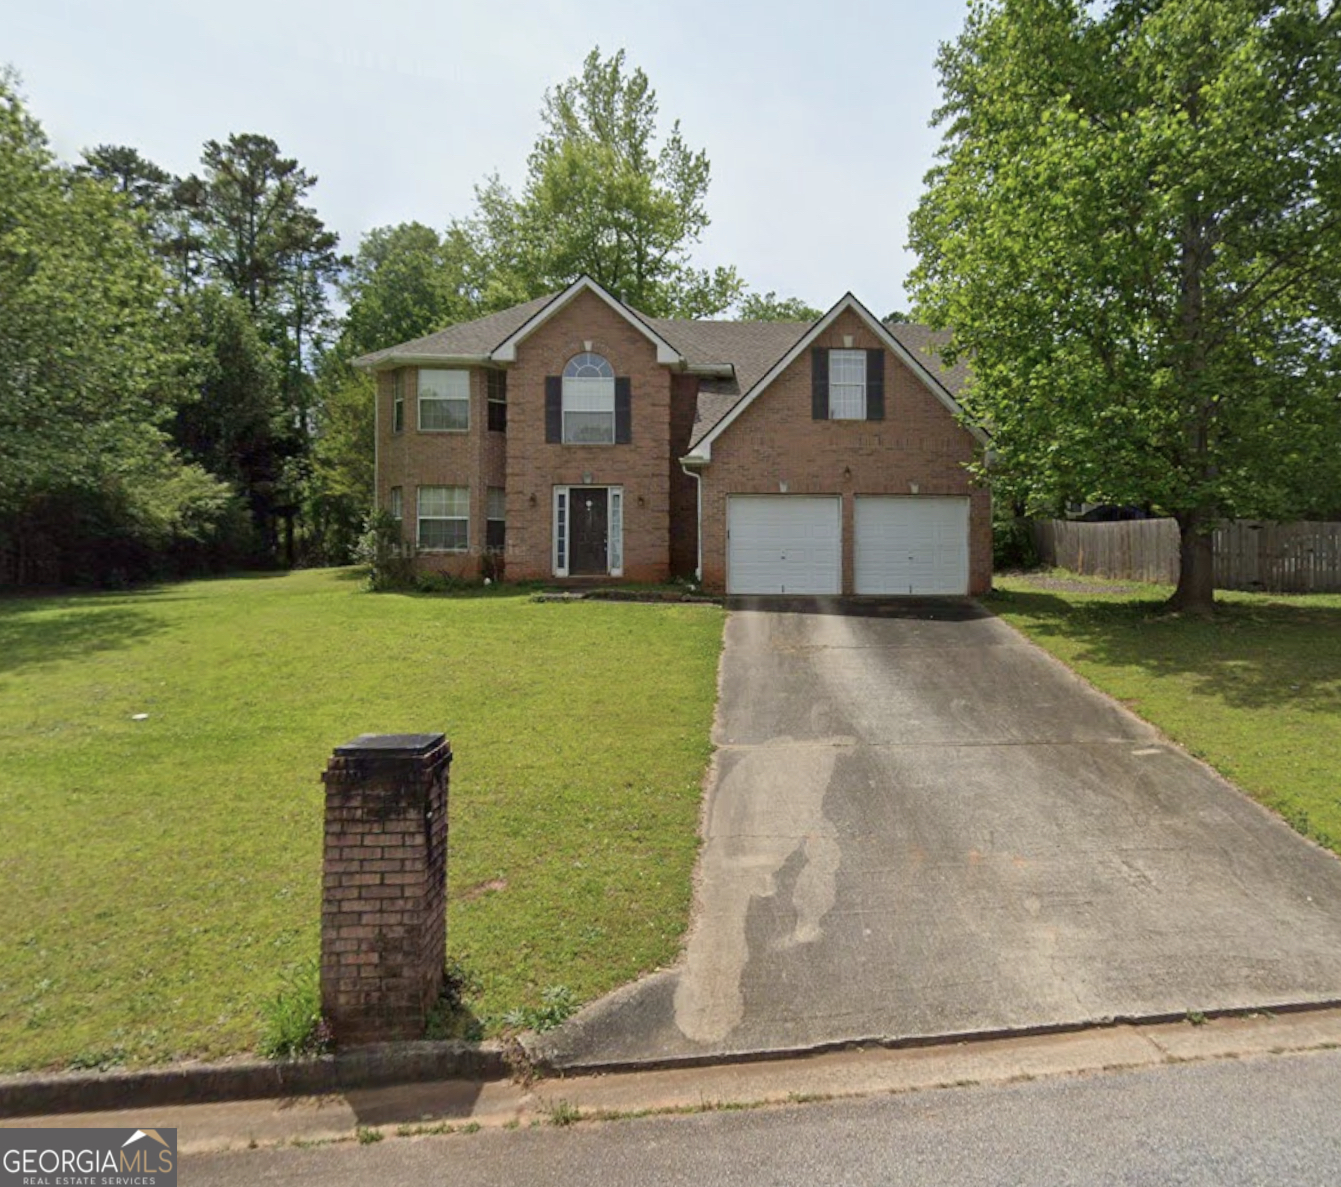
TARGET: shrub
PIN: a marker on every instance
(383, 549)
(1013, 545)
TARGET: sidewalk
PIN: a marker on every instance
(448, 1106)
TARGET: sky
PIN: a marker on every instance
(815, 119)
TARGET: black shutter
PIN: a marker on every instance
(623, 412)
(875, 385)
(553, 409)
(819, 384)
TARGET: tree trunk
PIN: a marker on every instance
(1196, 564)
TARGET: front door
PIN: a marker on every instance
(590, 535)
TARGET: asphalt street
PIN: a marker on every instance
(1232, 1123)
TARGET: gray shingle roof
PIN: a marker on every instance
(468, 338)
(925, 345)
(751, 348)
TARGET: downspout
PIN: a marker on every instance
(377, 446)
(698, 535)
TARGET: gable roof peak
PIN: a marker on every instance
(701, 449)
(506, 350)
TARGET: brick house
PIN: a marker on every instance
(579, 439)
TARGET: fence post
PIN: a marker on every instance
(384, 894)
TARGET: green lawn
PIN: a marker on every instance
(1255, 691)
(161, 876)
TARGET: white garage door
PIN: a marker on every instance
(912, 545)
(784, 544)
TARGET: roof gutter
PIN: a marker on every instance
(373, 363)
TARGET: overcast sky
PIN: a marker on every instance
(815, 119)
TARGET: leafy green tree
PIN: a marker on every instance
(146, 186)
(404, 281)
(770, 307)
(92, 364)
(262, 242)
(604, 197)
(1134, 228)
(235, 426)
(159, 197)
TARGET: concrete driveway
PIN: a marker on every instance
(919, 824)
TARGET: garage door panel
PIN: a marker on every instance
(784, 544)
(911, 545)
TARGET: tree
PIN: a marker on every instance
(92, 364)
(162, 200)
(1134, 229)
(770, 307)
(264, 244)
(146, 186)
(235, 427)
(405, 281)
(603, 198)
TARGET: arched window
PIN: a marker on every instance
(588, 400)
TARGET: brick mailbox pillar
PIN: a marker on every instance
(384, 896)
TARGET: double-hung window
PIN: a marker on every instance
(588, 401)
(397, 401)
(847, 385)
(444, 400)
(396, 505)
(444, 518)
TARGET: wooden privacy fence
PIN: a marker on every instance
(1274, 557)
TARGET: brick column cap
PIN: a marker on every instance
(392, 745)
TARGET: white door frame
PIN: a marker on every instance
(560, 520)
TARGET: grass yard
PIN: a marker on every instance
(161, 877)
(1255, 691)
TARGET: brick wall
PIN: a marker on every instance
(683, 489)
(536, 467)
(776, 440)
(411, 458)
(384, 878)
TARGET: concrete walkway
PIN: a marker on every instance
(921, 825)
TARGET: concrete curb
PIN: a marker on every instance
(376, 1065)
(544, 1061)
(387, 1064)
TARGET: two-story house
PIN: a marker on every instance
(580, 439)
